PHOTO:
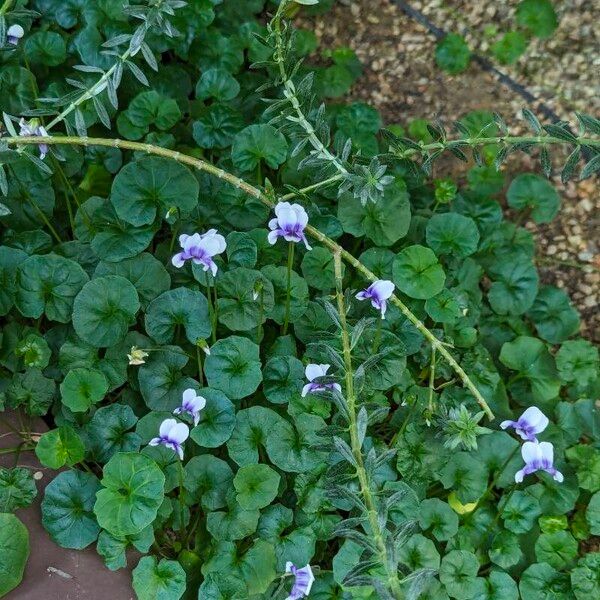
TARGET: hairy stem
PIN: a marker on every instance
(255, 192)
(355, 442)
(313, 187)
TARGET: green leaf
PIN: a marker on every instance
(158, 581)
(234, 523)
(256, 486)
(208, 479)
(578, 361)
(317, 269)
(148, 275)
(298, 293)
(31, 390)
(241, 250)
(452, 54)
(60, 447)
(558, 549)
(514, 287)
(146, 109)
(384, 222)
(256, 143)
(35, 351)
(520, 512)
(534, 364)
(498, 586)
(218, 84)
(217, 419)
(149, 187)
(592, 514)
(10, 259)
(132, 492)
(67, 509)
(538, 16)
(82, 388)
(45, 48)
(252, 429)
(530, 191)
(217, 126)
(17, 488)
(162, 381)
(48, 285)
(437, 515)
(417, 273)
(451, 233)
(445, 307)
(180, 307)
(458, 573)
(542, 582)
(238, 310)
(509, 48)
(554, 317)
(419, 552)
(104, 309)
(14, 552)
(505, 550)
(282, 379)
(233, 367)
(585, 577)
(465, 475)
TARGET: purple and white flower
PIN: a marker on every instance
(14, 34)
(303, 580)
(538, 456)
(529, 424)
(289, 223)
(200, 248)
(378, 293)
(172, 434)
(34, 129)
(313, 372)
(191, 404)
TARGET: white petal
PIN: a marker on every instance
(536, 418)
(179, 433)
(505, 424)
(188, 396)
(182, 239)
(198, 403)
(311, 371)
(191, 241)
(166, 426)
(301, 214)
(282, 206)
(15, 31)
(273, 236)
(273, 224)
(180, 452)
(362, 295)
(213, 245)
(287, 217)
(384, 288)
(558, 476)
(519, 476)
(546, 452)
(177, 260)
(288, 566)
(530, 451)
(154, 442)
(305, 390)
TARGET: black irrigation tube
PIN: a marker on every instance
(483, 62)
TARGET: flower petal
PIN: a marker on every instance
(179, 433)
(546, 452)
(383, 288)
(535, 418)
(312, 370)
(166, 426)
(530, 451)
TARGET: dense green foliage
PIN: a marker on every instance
(390, 475)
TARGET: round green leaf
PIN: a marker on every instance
(82, 388)
(67, 509)
(520, 512)
(514, 288)
(256, 486)
(505, 550)
(578, 360)
(498, 586)
(437, 515)
(158, 581)
(181, 307)
(553, 315)
(10, 258)
(218, 84)
(60, 447)
(31, 390)
(104, 310)
(45, 48)
(233, 367)
(133, 490)
(14, 552)
(317, 268)
(151, 186)
(540, 581)
(558, 549)
(148, 275)
(234, 523)
(510, 47)
(384, 222)
(208, 479)
(48, 285)
(417, 273)
(298, 293)
(217, 126)
(538, 16)
(444, 308)
(419, 552)
(466, 475)
(256, 143)
(536, 193)
(217, 419)
(17, 488)
(451, 233)
(458, 572)
(452, 54)
(585, 577)
(238, 309)
(592, 514)
(283, 379)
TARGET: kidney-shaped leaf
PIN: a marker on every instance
(217, 419)
(158, 581)
(14, 552)
(530, 191)
(417, 272)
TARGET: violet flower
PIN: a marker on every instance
(172, 434)
(14, 34)
(538, 456)
(530, 423)
(313, 372)
(191, 404)
(303, 580)
(33, 128)
(379, 293)
(289, 223)
(200, 249)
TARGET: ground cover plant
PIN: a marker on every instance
(278, 356)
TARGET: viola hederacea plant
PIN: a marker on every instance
(247, 333)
